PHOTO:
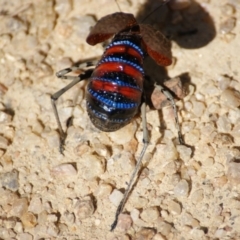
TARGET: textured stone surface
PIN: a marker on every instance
(183, 192)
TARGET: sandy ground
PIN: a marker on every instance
(183, 192)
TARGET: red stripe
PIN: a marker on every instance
(119, 67)
(124, 49)
(128, 92)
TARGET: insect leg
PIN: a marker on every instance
(137, 167)
(82, 67)
(171, 99)
(75, 79)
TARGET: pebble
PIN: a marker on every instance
(233, 172)
(224, 82)
(7, 234)
(120, 237)
(127, 161)
(28, 188)
(63, 229)
(208, 162)
(64, 170)
(214, 108)
(7, 198)
(234, 115)
(101, 150)
(18, 228)
(188, 126)
(52, 139)
(13, 24)
(174, 208)
(159, 100)
(37, 127)
(131, 146)
(84, 208)
(116, 197)
(228, 25)
(29, 220)
(7, 162)
(5, 117)
(42, 217)
(210, 89)
(8, 223)
(9, 180)
(223, 124)
(171, 180)
(19, 207)
(52, 218)
(185, 152)
(68, 217)
(3, 142)
(81, 149)
(63, 7)
(220, 233)
(52, 230)
(35, 205)
(91, 166)
(124, 222)
(163, 227)
(192, 137)
(170, 168)
(181, 189)
(159, 236)
(145, 234)
(188, 106)
(150, 214)
(4, 41)
(228, 9)
(198, 108)
(86, 22)
(197, 196)
(220, 181)
(236, 130)
(230, 98)
(197, 233)
(103, 190)
(135, 214)
(165, 153)
(229, 37)
(222, 139)
(124, 135)
(187, 219)
(139, 201)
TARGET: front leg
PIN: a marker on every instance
(86, 69)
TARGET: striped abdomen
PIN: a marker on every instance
(115, 88)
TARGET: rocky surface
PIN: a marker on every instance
(183, 192)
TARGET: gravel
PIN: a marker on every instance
(183, 192)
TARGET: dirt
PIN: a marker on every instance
(186, 191)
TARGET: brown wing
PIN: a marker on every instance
(157, 46)
(109, 25)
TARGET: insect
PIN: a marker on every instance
(115, 89)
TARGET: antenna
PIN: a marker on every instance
(118, 6)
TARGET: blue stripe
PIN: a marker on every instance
(126, 42)
(121, 60)
(111, 103)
